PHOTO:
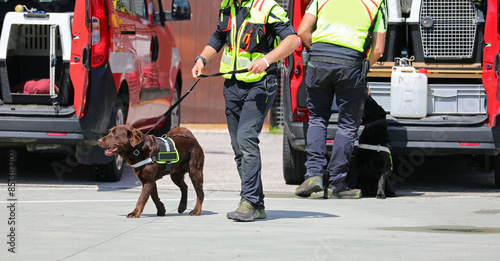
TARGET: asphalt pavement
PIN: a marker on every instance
(448, 209)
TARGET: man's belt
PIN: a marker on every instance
(328, 59)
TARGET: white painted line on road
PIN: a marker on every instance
(51, 187)
(73, 201)
(121, 200)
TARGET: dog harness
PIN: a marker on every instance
(167, 154)
(377, 148)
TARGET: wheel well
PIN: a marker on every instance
(179, 81)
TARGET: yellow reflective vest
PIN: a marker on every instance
(240, 51)
(349, 29)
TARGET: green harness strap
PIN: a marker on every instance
(167, 153)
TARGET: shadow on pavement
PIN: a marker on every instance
(174, 213)
(55, 169)
(282, 214)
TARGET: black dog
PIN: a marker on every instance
(371, 166)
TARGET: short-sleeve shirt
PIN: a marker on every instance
(346, 24)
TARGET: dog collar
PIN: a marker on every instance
(137, 150)
(376, 148)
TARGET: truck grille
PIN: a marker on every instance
(454, 29)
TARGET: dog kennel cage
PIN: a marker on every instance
(34, 47)
(446, 31)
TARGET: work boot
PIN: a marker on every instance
(310, 185)
(245, 212)
(346, 193)
(260, 214)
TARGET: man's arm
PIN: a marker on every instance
(214, 45)
(208, 53)
(306, 28)
(378, 44)
(284, 49)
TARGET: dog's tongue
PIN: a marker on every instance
(110, 151)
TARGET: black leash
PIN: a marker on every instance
(188, 92)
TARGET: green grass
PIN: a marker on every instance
(275, 130)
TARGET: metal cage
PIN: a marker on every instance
(448, 28)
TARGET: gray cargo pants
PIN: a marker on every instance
(247, 105)
(323, 80)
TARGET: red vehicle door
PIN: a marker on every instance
(147, 48)
(297, 79)
(80, 54)
(166, 60)
(126, 61)
(491, 61)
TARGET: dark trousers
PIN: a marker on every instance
(323, 81)
(247, 105)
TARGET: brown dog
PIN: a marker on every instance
(124, 140)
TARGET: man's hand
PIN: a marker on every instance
(207, 53)
(285, 48)
(258, 66)
(197, 68)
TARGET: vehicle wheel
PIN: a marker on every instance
(293, 163)
(174, 119)
(112, 171)
(496, 170)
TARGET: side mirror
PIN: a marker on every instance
(180, 11)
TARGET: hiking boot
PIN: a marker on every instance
(245, 212)
(260, 214)
(310, 185)
(343, 194)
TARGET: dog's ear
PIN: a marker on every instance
(111, 129)
(149, 141)
(135, 137)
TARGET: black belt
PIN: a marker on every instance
(328, 59)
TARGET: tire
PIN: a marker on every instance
(174, 119)
(496, 170)
(112, 171)
(293, 163)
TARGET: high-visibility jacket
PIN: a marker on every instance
(347, 23)
(242, 46)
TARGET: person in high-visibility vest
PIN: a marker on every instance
(345, 37)
(248, 31)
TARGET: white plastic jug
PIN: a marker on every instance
(408, 93)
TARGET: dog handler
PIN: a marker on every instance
(247, 30)
(340, 34)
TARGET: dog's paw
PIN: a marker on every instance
(195, 212)
(133, 215)
(161, 212)
(380, 196)
(182, 208)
